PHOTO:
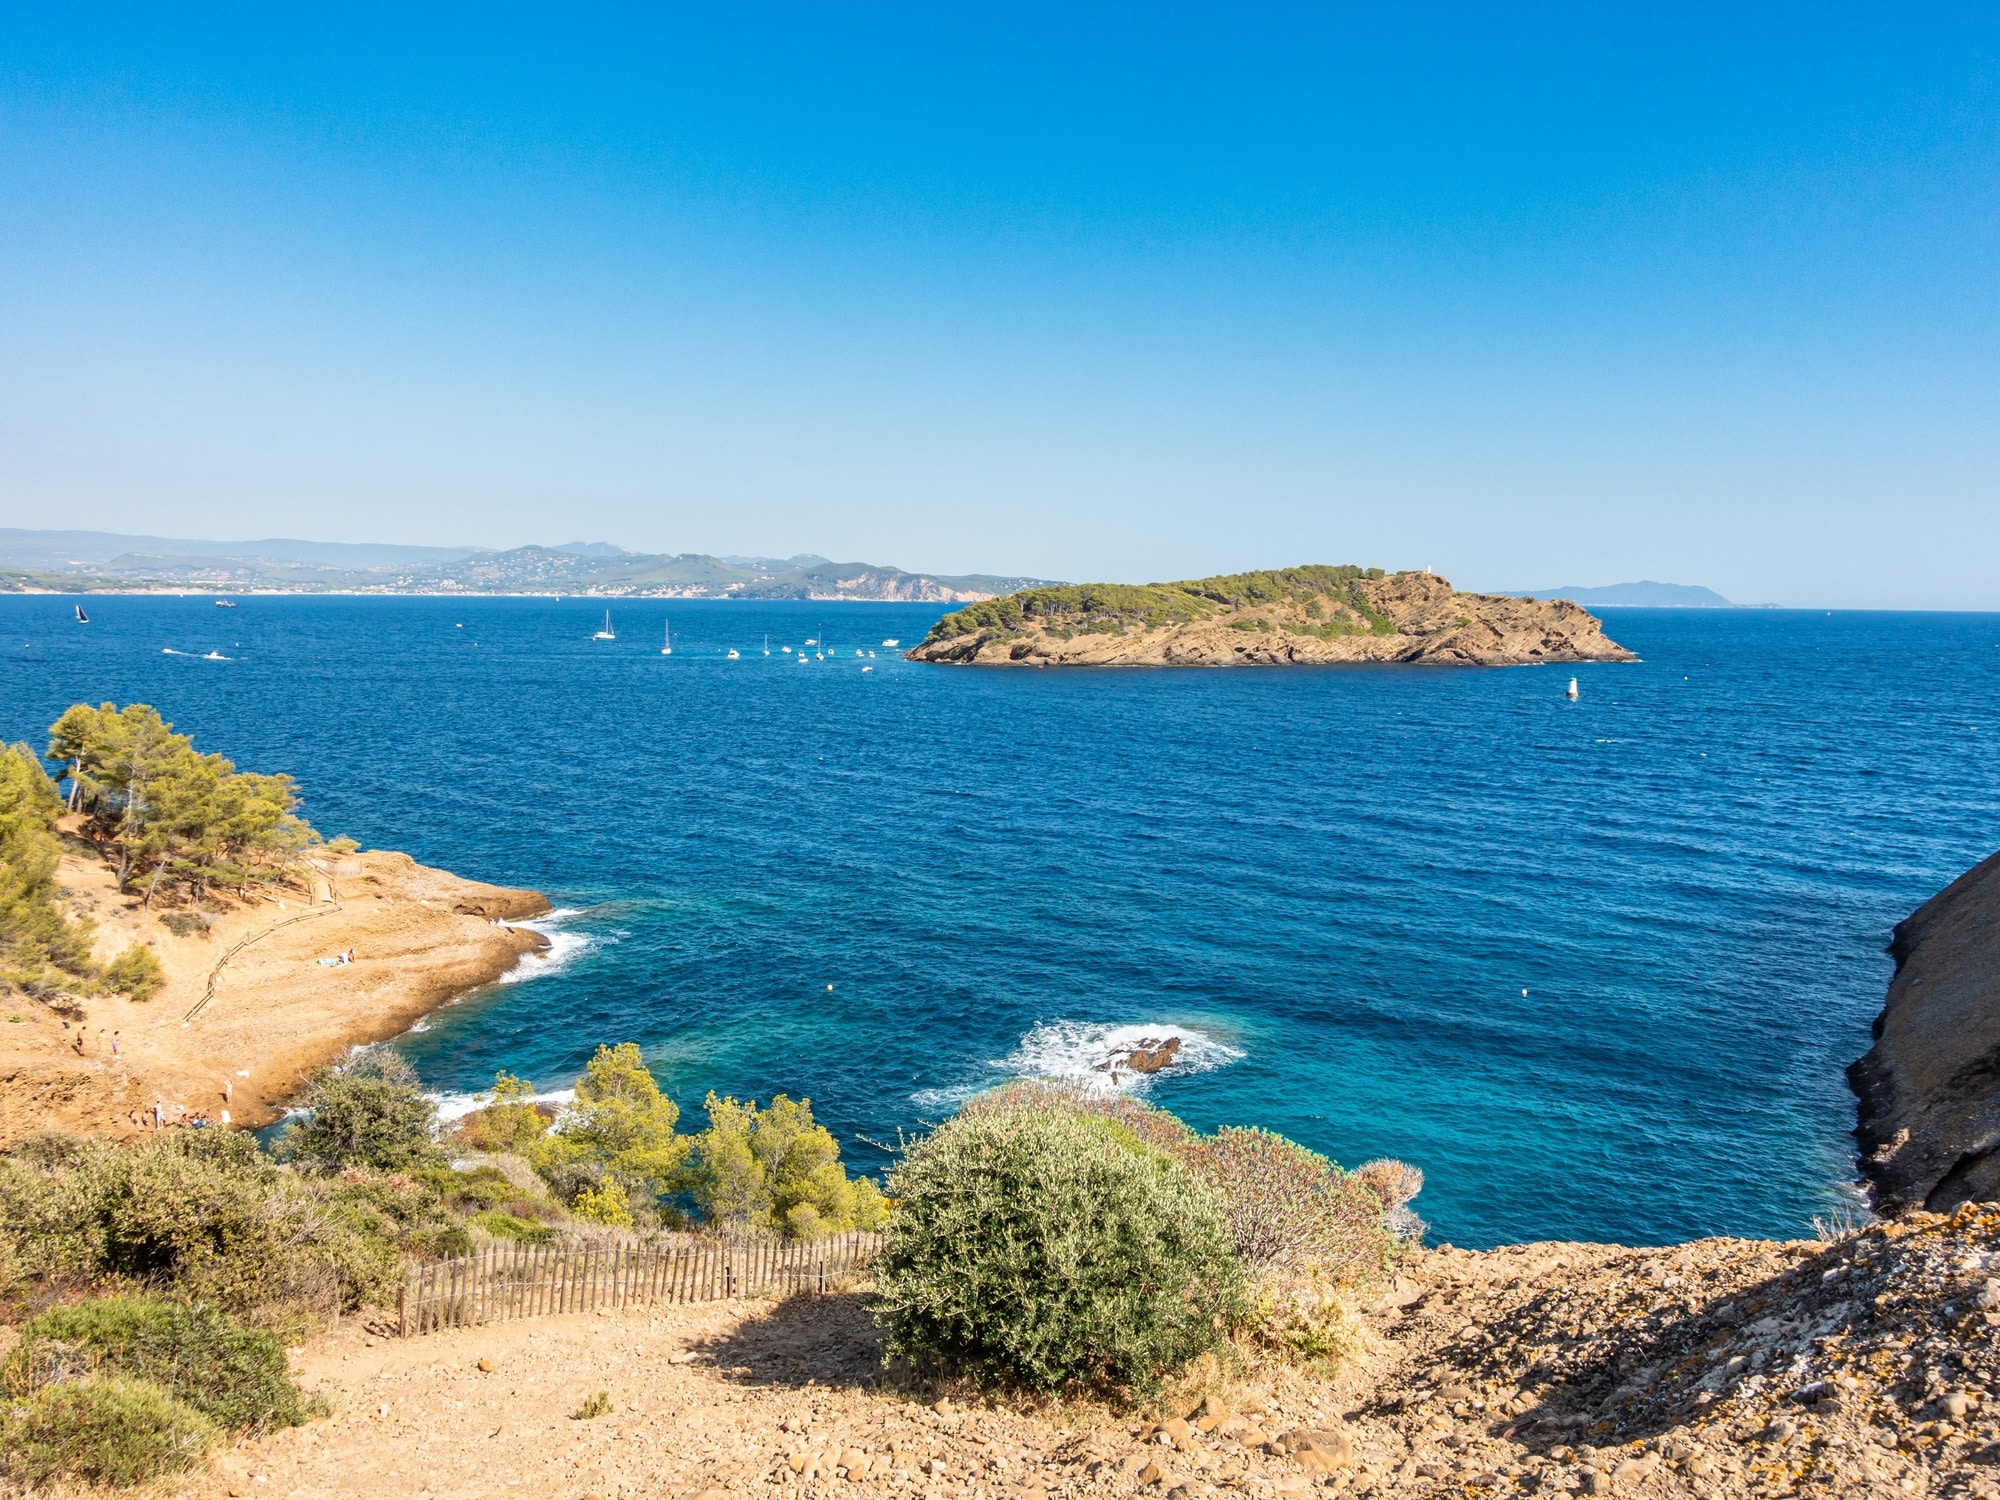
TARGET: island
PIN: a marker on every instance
(1302, 616)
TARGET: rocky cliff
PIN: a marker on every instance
(1930, 1087)
(1302, 616)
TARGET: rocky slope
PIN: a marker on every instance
(1304, 616)
(1858, 1366)
(248, 1005)
(1930, 1086)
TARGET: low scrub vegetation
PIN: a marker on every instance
(1018, 1222)
(1116, 607)
(1052, 1248)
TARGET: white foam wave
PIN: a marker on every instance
(457, 1106)
(563, 948)
(1090, 1053)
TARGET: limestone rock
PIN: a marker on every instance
(1930, 1086)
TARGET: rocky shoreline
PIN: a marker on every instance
(1308, 617)
(249, 1007)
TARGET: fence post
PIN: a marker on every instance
(403, 1306)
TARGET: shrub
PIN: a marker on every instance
(368, 1113)
(622, 1123)
(200, 1213)
(1290, 1209)
(510, 1121)
(606, 1203)
(1046, 1248)
(504, 1226)
(137, 972)
(775, 1171)
(236, 1377)
(102, 1431)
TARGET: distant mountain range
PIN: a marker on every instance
(1645, 594)
(96, 561)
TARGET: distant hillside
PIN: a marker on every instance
(89, 561)
(1645, 594)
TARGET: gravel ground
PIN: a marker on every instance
(1718, 1368)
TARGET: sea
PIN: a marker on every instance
(1596, 966)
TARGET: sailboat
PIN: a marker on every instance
(81, 617)
(605, 634)
(734, 654)
(1571, 694)
(667, 648)
(767, 645)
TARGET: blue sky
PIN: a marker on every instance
(1529, 294)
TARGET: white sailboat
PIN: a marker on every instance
(734, 654)
(767, 645)
(667, 649)
(605, 634)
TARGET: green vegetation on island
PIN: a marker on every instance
(1329, 597)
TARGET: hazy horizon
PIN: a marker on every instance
(1702, 296)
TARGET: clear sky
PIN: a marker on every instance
(1530, 294)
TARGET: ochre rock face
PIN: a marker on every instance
(1412, 617)
(1930, 1087)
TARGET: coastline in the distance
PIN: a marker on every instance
(1302, 616)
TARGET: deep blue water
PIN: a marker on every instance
(1338, 882)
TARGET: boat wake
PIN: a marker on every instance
(1104, 1057)
(562, 951)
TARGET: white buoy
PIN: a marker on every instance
(1572, 690)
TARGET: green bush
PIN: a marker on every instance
(236, 1377)
(503, 1226)
(775, 1171)
(369, 1113)
(199, 1213)
(137, 972)
(1289, 1209)
(1051, 1249)
(102, 1431)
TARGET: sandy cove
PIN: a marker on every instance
(1721, 1368)
(420, 937)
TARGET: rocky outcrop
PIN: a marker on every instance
(1295, 616)
(1930, 1086)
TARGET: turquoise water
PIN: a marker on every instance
(1337, 884)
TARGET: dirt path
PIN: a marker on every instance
(269, 1013)
(1723, 1368)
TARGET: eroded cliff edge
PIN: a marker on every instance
(1930, 1086)
(1291, 616)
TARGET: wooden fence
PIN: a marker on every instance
(528, 1281)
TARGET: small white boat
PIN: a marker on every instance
(802, 658)
(819, 656)
(867, 669)
(224, 604)
(734, 654)
(1572, 693)
(871, 656)
(812, 640)
(215, 656)
(668, 648)
(605, 634)
(892, 642)
(459, 626)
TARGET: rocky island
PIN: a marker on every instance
(1292, 616)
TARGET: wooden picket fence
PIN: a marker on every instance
(529, 1281)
